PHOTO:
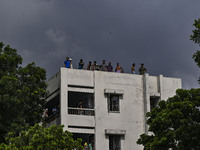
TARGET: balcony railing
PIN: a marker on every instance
(53, 119)
(80, 111)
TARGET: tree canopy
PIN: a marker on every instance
(174, 123)
(41, 138)
(22, 92)
(196, 38)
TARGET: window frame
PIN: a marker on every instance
(113, 139)
(110, 95)
(154, 100)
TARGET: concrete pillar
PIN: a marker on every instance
(160, 85)
(63, 98)
(146, 102)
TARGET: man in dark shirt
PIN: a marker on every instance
(81, 64)
(142, 70)
(95, 66)
(103, 66)
(89, 66)
(109, 67)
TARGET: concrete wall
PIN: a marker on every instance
(73, 77)
(81, 120)
(169, 86)
(134, 102)
(130, 117)
(53, 83)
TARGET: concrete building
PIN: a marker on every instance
(106, 108)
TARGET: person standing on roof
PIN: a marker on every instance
(110, 67)
(118, 68)
(89, 66)
(103, 66)
(142, 70)
(67, 63)
(133, 68)
(95, 66)
(71, 66)
(81, 64)
(122, 70)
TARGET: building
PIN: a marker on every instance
(106, 108)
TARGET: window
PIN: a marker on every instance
(113, 96)
(114, 142)
(80, 103)
(113, 103)
(154, 101)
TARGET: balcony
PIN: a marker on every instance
(81, 120)
(53, 119)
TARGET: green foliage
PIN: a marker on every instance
(40, 138)
(174, 123)
(22, 92)
(196, 58)
(196, 33)
(196, 38)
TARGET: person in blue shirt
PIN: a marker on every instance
(67, 63)
(54, 109)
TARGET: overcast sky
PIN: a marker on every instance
(153, 32)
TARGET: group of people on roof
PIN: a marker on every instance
(103, 66)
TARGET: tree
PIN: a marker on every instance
(174, 123)
(22, 92)
(196, 38)
(41, 138)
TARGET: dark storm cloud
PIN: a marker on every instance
(154, 32)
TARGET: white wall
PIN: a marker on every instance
(53, 83)
(130, 117)
(134, 103)
(77, 78)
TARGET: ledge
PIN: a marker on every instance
(115, 132)
(113, 91)
(153, 94)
